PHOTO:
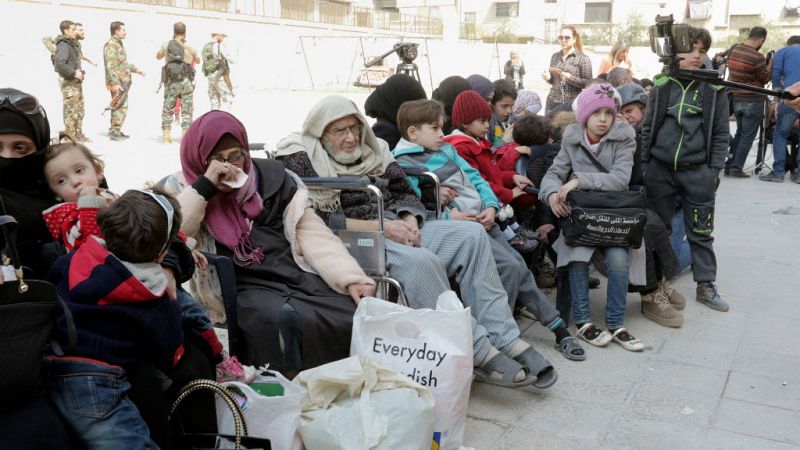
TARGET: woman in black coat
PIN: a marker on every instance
(384, 102)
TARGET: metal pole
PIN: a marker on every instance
(308, 67)
(364, 57)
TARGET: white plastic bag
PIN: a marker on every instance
(431, 347)
(274, 418)
(354, 404)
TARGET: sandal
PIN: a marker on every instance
(593, 335)
(571, 349)
(544, 373)
(626, 340)
(500, 371)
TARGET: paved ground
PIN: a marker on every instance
(724, 380)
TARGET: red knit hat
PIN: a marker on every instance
(470, 106)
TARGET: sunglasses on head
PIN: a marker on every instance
(22, 102)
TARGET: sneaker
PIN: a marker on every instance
(708, 295)
(796, 178)
(656, 307)
(737, 173)
(675, 298)
(527, 234)
(626, 340)
(523, 245)
(771, 177)
(593, 335)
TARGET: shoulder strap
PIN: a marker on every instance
(594, 160)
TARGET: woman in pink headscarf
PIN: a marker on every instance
(295, 278)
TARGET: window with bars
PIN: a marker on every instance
(550, 30)
(506, 9)
(598, 12)
(470, 17)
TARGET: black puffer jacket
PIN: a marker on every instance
(68, 58)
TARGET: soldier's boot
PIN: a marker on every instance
(656, 307)
(167, 136)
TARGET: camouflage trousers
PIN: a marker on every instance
(172, 92)
(118, 114)
(218, 92)
(72, 92)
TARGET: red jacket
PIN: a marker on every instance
(495, 167)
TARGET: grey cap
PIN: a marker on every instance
(632, 92)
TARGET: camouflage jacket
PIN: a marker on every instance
(211, 59)
(118, 70)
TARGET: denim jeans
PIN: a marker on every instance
(617, 291)
(679, 243)
(749, 116)
(783, 127)
(92, 398)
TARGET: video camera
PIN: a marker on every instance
(668, 38)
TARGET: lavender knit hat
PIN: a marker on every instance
(592, 98)
(528, 101)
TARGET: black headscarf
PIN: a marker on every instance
(23, 191)
(447, 92)
(387, 98)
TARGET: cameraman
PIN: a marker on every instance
(785, 72)
(747, 66)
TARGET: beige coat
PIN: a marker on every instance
(314, 246)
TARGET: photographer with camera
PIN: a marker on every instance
(746, 65)
(785, 72)
(684, 142)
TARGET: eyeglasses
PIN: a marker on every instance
(22, 102)
(341, 132)
(236, 158)
(564, 38)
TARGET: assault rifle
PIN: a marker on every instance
(226, 73)
(118, 98)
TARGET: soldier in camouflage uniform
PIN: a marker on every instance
(214, 66)
(118, 79)
(68, 65)
(50, 42)
(178, 86)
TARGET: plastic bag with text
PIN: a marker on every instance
(433, 348)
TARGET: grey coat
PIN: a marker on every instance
(616, 155)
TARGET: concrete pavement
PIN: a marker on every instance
(725, 380)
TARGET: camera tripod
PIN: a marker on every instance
(410, 69)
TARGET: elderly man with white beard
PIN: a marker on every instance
(336, 141)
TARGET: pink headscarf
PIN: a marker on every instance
(229, 215)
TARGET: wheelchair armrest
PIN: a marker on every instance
(227, 283)
(436, 182)
(348, 183)
(343, 183)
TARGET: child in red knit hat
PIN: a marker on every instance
(470, 120)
